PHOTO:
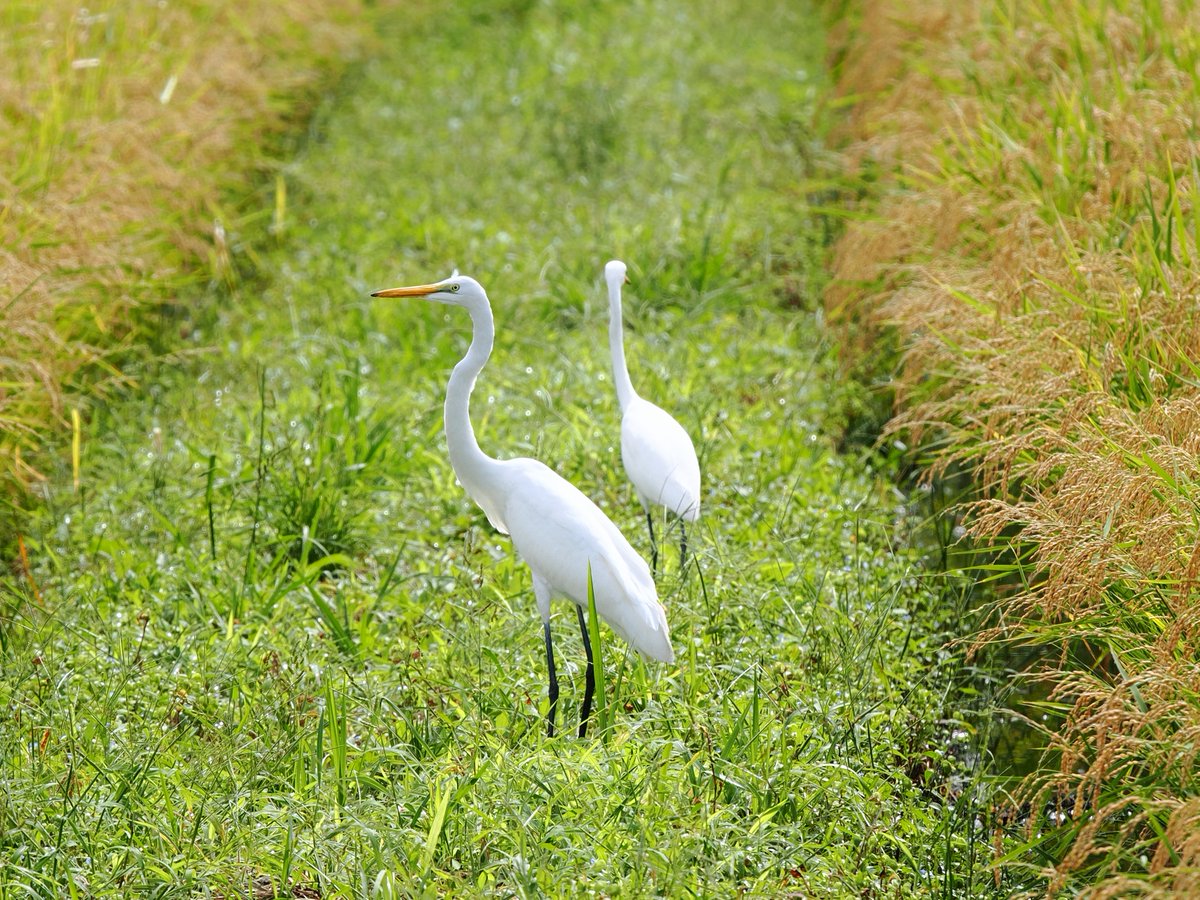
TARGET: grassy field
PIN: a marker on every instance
(126, 131)
(1030, 243)
(265, 641)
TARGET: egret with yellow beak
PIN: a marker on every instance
(558, 531)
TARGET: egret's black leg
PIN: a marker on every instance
(553, 681)
(653, 544)
(589, 687)
(682, 546)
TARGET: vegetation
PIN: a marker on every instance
(1031, 245)
(125, 126)
(264, 642)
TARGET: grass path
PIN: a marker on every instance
(273, 639)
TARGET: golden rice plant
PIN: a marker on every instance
(123, 126)
(1033, 250)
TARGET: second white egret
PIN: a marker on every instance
(657, 452)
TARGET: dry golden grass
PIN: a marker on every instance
(124, 125)
(1034, 250)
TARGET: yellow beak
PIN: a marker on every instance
(420, 290)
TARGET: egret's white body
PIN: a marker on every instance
(657, 452)
(556, 529)
(558, 532)
(660, 459)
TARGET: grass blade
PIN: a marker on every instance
(597, 658)
(435, 826)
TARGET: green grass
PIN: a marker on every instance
(275, 639)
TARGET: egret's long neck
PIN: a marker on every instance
(469, 462)
(616, 344)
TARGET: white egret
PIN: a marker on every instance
(557, 530)
(658, 454)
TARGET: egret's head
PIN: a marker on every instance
(614, 272)
(457, 290)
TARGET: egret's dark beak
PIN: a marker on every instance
(419, 290)
(627, 279)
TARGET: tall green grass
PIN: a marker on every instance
(277, 644)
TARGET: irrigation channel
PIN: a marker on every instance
(277, 645)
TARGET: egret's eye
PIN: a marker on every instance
(454, 288)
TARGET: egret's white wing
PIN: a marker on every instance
(559, 532)
(660, 460)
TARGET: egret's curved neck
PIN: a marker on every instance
(616, 344)
(469, 462)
